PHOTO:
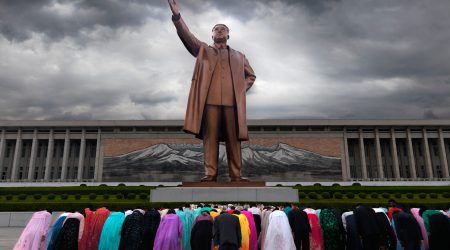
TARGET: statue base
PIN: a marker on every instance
(224, 184)
(224, 194)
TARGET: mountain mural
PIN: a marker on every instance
(184, 162)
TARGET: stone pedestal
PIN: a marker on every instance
(224, 194)
(224, 184)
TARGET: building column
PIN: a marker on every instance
(81, 155)
(411, 160)
(346, 163)
(97, 157)
(428, 164)
(447, 153)
(17, 153)
(442, 155)
(48, 159)
(2, 150)
(394, 155)
(362, 155)
(32, 164)
(65, 160)
(378, 154)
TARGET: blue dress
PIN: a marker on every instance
(54, 231)
(110, 237)
(187, 217)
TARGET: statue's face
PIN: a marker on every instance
(220, 33)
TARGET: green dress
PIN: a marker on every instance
(426, 219)
(330, 228)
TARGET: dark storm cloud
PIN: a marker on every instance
(152, 97)
(383, 39)
(245, 10)
(60, 18)
(117, 59)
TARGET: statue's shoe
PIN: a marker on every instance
(208, 178)
(239, 179)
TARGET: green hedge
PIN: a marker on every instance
(83, 190)
(118, 197)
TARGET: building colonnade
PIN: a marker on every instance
(398, 153)
(49, 154)
(371, 150)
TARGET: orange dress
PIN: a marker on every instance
(245, 231)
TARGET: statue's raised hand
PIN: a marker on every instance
(174, 7)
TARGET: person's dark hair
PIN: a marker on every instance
(171, 211)
(236, 212)
(232, 207)
(223, 212)
(214, 210)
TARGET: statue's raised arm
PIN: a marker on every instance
(191, 43)
(174, 7)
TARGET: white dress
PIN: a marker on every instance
(279, 233)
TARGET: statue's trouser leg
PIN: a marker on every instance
(211, 126)
(217, 117)
(233, 145)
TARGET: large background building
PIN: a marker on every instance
(279, 150)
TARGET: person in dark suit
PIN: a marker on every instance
(408, 230)
(367, 226)
(227, 232)
(298, 220)
(439, 232)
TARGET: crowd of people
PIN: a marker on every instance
(246, 227)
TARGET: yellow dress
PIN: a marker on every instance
(214, 214)
(245, 231)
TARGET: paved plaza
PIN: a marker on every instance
(9, 236)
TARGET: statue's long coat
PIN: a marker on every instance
(207, 56)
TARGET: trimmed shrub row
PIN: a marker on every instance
(362, 195)
(91, 196)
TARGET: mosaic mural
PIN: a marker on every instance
(184, 162)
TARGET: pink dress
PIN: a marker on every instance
(33, 235)
(415, 213)
(316, 236)
(253, 233)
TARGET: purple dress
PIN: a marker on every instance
(169, 234)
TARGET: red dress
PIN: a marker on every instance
(98, 220)
(82, 244)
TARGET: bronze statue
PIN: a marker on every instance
(216, 109)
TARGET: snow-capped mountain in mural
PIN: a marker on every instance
(184, 162)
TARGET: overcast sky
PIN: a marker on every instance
(118, 59)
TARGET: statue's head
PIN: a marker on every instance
(220, 33)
